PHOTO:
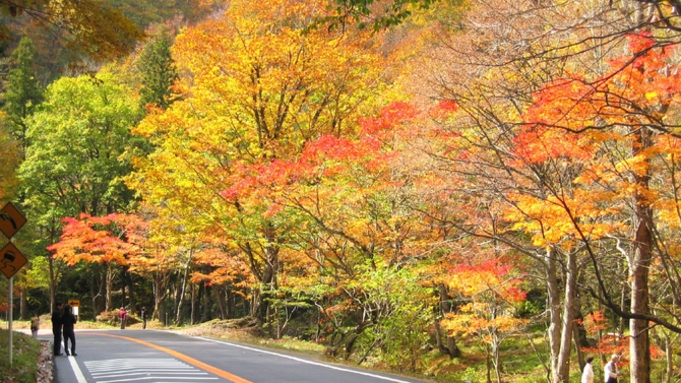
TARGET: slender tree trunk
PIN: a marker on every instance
(554, 304)
(568, 319)
(560, 329)
(108, 280)
(639, 266)
(23, 304)
(183, 287)
(131, 290)
(193, 305)
(669, 358)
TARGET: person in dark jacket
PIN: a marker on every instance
(144, 318)
(68, 319)
(56, 328)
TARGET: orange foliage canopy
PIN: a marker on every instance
(109, 239)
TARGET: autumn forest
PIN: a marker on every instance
(414, 184)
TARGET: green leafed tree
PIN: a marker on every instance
(23, 91)
(9, 148)
(74, 161)
(158, 72)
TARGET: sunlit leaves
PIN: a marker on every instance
(94, 240)
(73, 163)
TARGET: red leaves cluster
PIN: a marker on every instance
(99, 239)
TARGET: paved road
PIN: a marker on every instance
(153, 356)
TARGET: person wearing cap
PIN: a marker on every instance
(610, 372)
(56, 328)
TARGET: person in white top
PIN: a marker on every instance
(610, 373)
(588, 373)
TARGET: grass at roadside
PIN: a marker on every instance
(25, 354)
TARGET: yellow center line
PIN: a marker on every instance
(188, 359)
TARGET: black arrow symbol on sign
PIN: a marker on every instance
(6, 217)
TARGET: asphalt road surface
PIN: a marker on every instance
(153, 356)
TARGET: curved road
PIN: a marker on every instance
(152, 356)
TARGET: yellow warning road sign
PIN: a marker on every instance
(11, 260)
(11, 220)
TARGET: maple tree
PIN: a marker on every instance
(83, 128)
(355, 225)
(624, 110)
(488, 292)
(95, 240)
(243, 106)
(579, 169)
(492, 77)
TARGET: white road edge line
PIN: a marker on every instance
(304, 361)
(76, 370)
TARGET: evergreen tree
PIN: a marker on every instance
(23, 91)
(158, 72)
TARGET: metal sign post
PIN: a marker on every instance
(9, 321)
(11, 259)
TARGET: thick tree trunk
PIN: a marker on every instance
(449, 345)
(639, 344)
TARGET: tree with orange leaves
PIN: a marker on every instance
(489, 293)
(101, 240)
(621, 128)
(252, 94)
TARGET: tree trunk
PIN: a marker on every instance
(183, 287)
(23, 304)
(193, 305)
(222, 298)
(560, 329)
(639, 266)
(450, 347)
(108, 280)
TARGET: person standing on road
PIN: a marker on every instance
(144, 318)
(588, 373)
(35, 325)
(56, 328)
(68, 319)
(610, 372)
(124, 315)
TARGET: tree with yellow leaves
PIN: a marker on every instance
(255, 85)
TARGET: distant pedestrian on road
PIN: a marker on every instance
(610, 372)
(588, 373)
(144, 318)
(35, 325)
(124, 315)
(56, 328)
(68, 319)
